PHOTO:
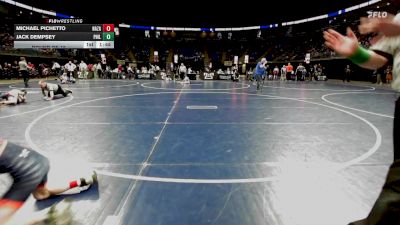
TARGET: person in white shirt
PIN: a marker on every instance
(23, 68)
(63, 77)
(283, 73)
(385, 50)
(83, 69)
(235, 74)
(56, 68)
(99, 70)
(131, 74)
(108, 72)
(70, 67)
(299, 72)
(182, 71)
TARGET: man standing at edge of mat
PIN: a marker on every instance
(29, 171)
(347, 73)
(386, 210)
(283, 73)
(23, 68)
(70, 68)
(259, 71)
(52, 89)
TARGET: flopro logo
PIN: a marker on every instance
(377, 14)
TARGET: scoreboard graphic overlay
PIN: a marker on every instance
(76, 36)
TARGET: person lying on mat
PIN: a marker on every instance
(29, 170)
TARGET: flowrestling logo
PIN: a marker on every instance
(377, 14)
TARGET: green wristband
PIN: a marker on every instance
(361, 56)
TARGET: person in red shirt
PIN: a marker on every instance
(120, 71)
(289, 70)
(31, 66)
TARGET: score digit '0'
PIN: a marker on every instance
(108, 27)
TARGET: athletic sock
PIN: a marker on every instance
(75, 183)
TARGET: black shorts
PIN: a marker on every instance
(28, 169)
(24, 73)
(59, 91)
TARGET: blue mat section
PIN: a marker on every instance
(131, 131)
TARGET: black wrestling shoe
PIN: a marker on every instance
(88, 180)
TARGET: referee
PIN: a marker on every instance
(23, 69)
(70, 67)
